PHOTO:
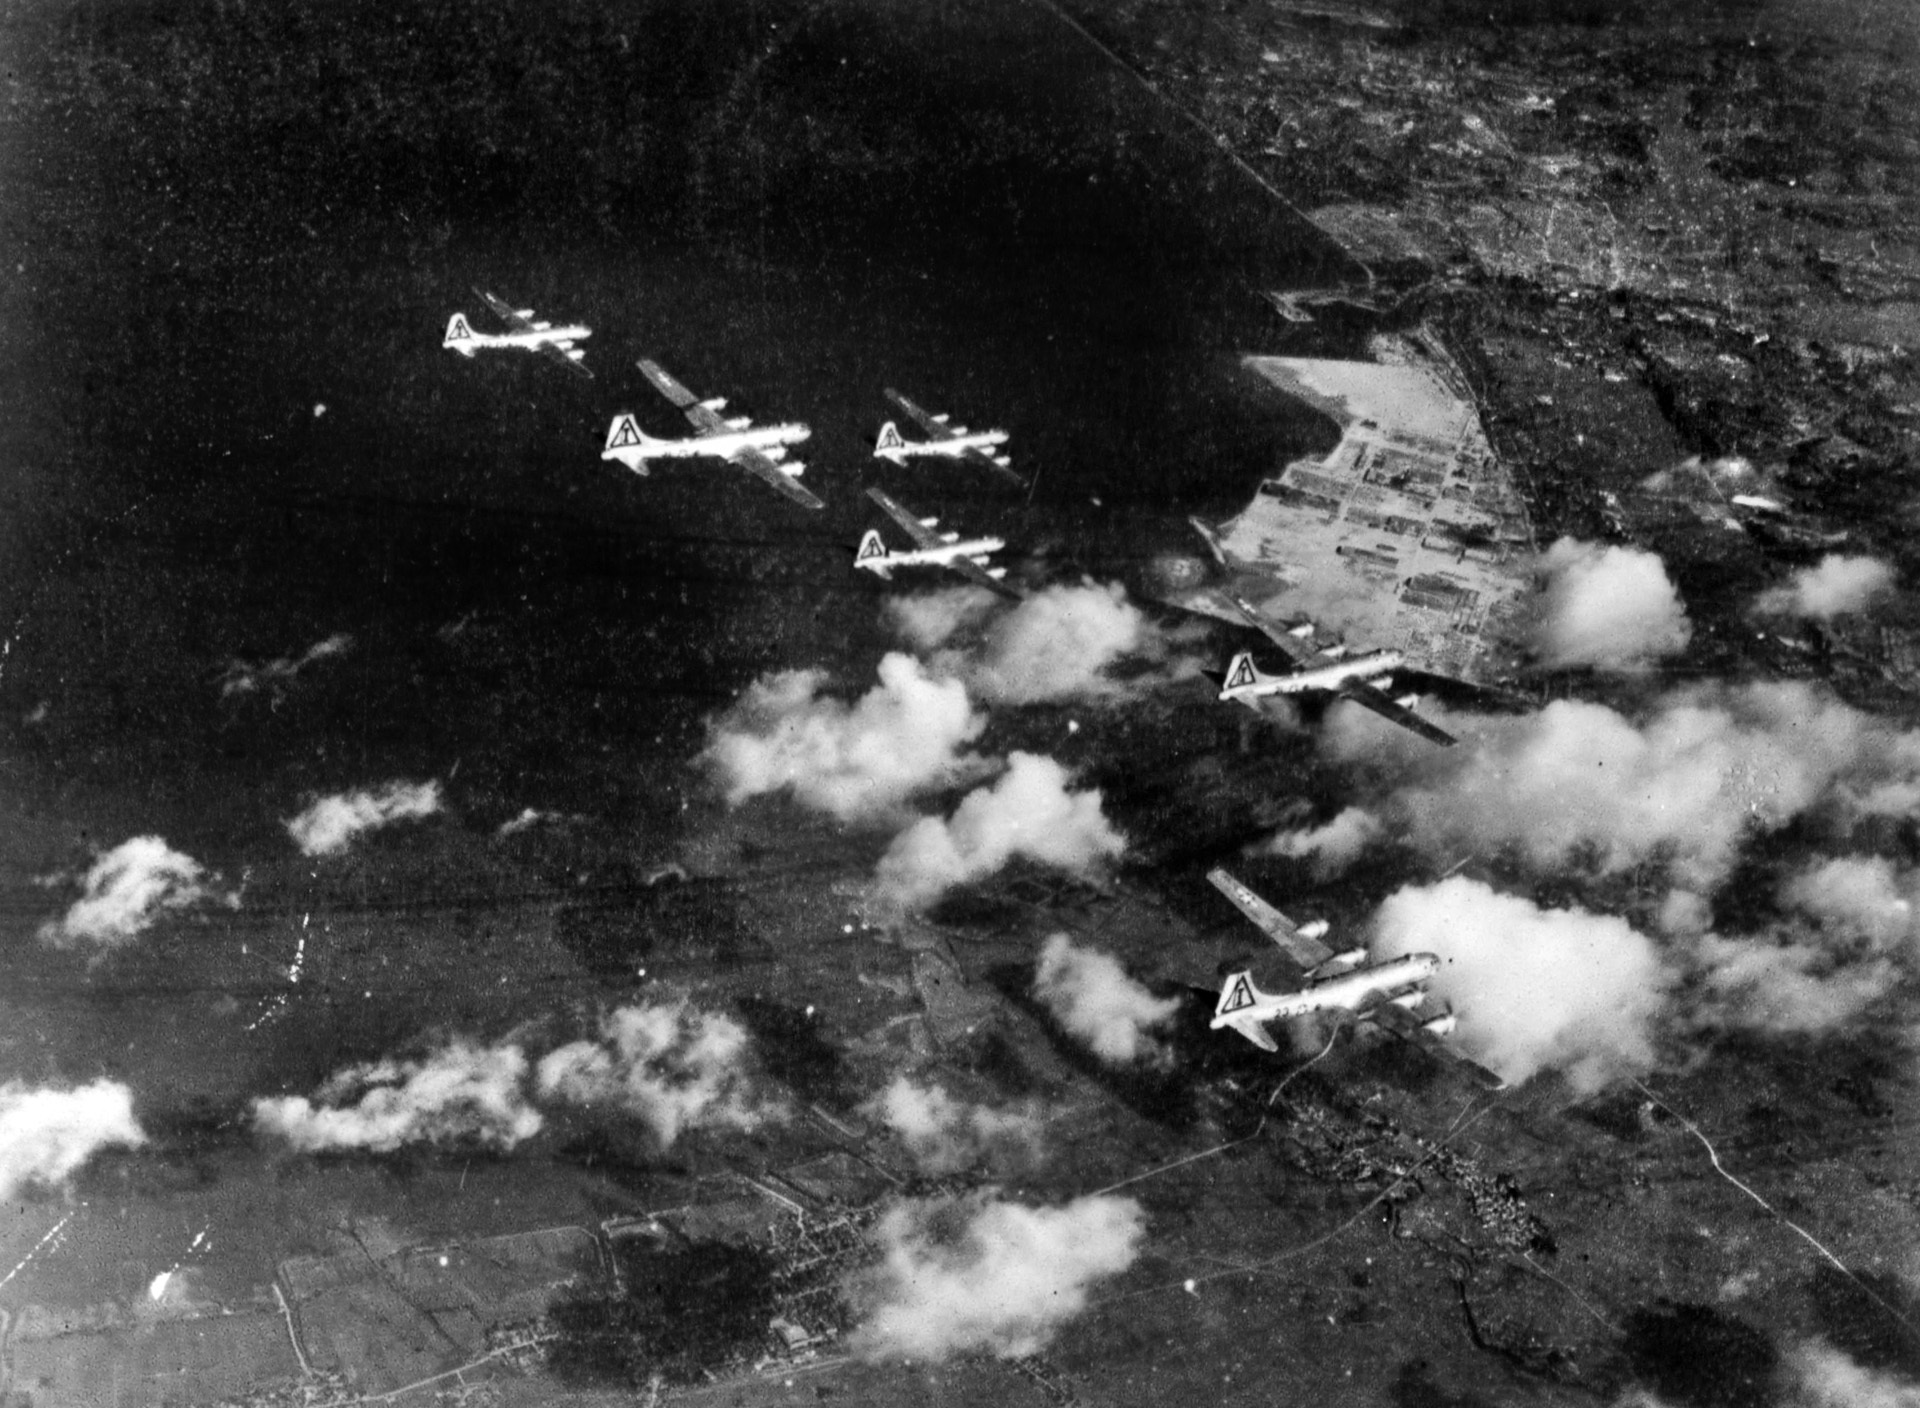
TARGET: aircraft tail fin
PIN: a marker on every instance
(459, 335)
(1239, 1006)
(889, 446)
(627, 442)
(1241, 673)
(872, 554)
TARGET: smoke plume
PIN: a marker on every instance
(853, 761)
(125, 891)
(977, 1274)
(45, 1134)
(1027, 812)
(1830, 1378)
(1534, 989)
(1059, 644)
(1833, 587)
(928, 620)
(946, 1135)
(1093, 1000)
(330, 824)
(1333, 847)
(1613, 608)
(461, 1092)
(670, 1066)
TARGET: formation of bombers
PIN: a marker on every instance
(1391, 994)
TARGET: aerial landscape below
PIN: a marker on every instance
(775, 701)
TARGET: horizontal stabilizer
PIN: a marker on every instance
(1256, 1033)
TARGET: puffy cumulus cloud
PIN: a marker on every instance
(1777, 983)
(945, 1135)
(125, 890)
(1855, 895)
(463, 1091)
(979, 1274)
(928, 620)
(1093, 1000)
(852, 761)
(1332, 847)
(1028, 811)
(1534, 989)
(1843, 943)
(45, 1133)
(1686, 783)
(669, 1065)
(1829, 1378)
(1610, 607)
(1832, 587)
(242, 678)
(329, 825)
(1059, 644)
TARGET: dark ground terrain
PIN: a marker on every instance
(219, 218)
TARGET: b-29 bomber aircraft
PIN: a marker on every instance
(760, 450)
(527, 333)
(1330, 671)
(966, 556)
(945, 439)
(1390, 994)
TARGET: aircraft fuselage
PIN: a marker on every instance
(952, 447)
(1321, 677)
(533, 339)
(939, 556)
(769, 440)
(1352, 991)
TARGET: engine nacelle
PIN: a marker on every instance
(1407, 1001)
(1442, 1025)
(1316, 930)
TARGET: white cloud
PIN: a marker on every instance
(1059, 643)
(461, 1092)
(1775, 983)
(125, 891)
(1833, 587)
(45, 1134)
(328, 826)
(1093, 1000)
(852, 761)
(928, 620)
(1863, 896)
(1333, 847)
(978, 1274)
(1831, 1379)
(242, 678)
(945, 1135)
(1534, 989)
(1027, 812)
(1610, 607)
(1686, 784)
(670, 1065)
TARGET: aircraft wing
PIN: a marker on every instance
(756, 463)
(923, 536)
(1295, 649)
(1387, 707)
(1308, 953)
(1410, 1026)
(705, 419)
(980, 577)
(985, 459)
(505, 311)
(935, 428)
(555, 353)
